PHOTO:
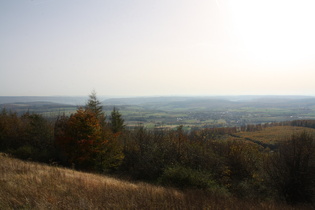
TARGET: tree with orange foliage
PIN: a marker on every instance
(85, 141)
(78, 138)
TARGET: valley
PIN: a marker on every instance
(170, 112)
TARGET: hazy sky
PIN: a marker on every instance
(160, 47)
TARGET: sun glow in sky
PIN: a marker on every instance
(166, 47)
(275, 32)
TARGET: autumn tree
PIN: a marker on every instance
(26, 136)
(77, 138)
(84, 140)
(292, 169)
(109, 152)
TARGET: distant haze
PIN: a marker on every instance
(157, 48)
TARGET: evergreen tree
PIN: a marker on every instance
(95, 106)
(116, 121)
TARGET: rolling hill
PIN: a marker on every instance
(28, 185)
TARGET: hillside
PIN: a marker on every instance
(215, 102)
(273, 135)
(27, 185)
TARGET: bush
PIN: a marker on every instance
(24, 152)
(182, 177)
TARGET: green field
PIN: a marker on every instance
(169, 112)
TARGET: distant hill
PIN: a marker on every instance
(73, 100)
(146, 100)
(38, 107)
(168, 103)
(175, 100)
(35, 104)
(192, 111)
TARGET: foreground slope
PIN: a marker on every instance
(26, 185)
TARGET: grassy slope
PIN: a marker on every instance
(275, 134)
(26, 185)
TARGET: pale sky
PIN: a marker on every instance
(160, 47)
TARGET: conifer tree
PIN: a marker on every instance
(95, 106)
(116, 121)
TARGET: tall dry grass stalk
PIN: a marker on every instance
(27, 185)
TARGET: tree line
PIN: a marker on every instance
(201, 159)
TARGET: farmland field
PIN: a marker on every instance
(191, 112)
(273, 135)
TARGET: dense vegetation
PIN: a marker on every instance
(225, 161)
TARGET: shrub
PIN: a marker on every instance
(183, 177)
(25, 152)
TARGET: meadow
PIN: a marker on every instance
(273, 135)
(29, 185)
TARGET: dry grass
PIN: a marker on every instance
(275, 134)
(27, 185)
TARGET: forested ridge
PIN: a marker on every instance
(212, 159)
